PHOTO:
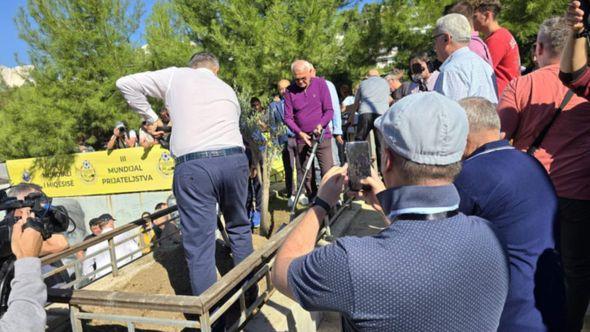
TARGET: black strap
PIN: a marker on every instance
(321, 203)
(428, 216)
(537, 142)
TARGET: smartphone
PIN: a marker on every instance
(358, 155)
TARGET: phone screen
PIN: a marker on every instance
(358, 155)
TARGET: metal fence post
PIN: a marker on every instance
(113, 257)
(75, 321)
(78, 273)
(205, 322)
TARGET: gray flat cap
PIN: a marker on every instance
(426, 128)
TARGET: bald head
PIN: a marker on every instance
(302, 73)
(284, 83)
(301, 65)
(282, 86)
(373, 72)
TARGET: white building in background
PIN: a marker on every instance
(386, 58)
(17, 76)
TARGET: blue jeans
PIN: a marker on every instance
(198, 186)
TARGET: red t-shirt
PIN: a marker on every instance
(505, 57)
(527, 106)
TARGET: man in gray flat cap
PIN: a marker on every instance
(433, 268)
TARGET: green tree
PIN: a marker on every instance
(79, 48)
(256, 41)
(523, 19)
(407, 26)
(168, 42)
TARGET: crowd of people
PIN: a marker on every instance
(124, 138)
(479, 229)
(483, 179)
(487, 143)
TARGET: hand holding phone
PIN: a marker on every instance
(358, 155)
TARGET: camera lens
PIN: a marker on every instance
(417, 68)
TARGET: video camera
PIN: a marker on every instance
(48, 220)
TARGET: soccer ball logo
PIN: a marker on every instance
(27, 176)
(166, 163)
(87, 172)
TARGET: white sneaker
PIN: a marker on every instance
(303, 200)
(291, 201)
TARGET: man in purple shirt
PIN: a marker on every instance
(308, 109)
(476, 45)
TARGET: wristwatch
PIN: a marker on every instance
(321, 203)
(581, 34)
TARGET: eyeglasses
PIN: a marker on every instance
(438, 35)
(301, 79)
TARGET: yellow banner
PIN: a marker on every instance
(104, 172)
(109, 172)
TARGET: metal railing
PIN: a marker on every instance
(207, 307)
(80, 279)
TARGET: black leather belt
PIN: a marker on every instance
(208, 154)
(429, 216)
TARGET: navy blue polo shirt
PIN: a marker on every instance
(416, 275)
(513, 191)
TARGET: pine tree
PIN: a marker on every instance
(168, 42)
(256, 41)
(79, 48)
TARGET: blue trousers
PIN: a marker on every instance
(198, 186)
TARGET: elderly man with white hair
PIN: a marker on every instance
(463, 73)
(512, 191)
(308, 110)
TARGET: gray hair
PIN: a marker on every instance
(554, 33)
(457, 26)
(418, 174)
(481, 114)
(23, 188)
(305, 65)
(203, 60)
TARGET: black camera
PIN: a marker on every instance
(417, 68)
(165, 129)
(48, 220)
(165, 140)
